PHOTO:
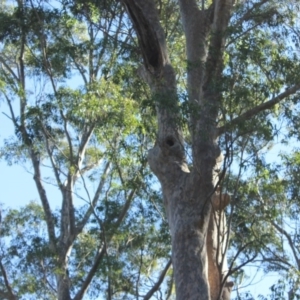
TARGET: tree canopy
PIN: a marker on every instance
(105, 94)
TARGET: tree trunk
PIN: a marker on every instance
(63, 291)
(196, 229)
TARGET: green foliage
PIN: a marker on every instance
(79, 112)
(68, 77)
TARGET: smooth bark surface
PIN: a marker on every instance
(193, 203)
(187, 195)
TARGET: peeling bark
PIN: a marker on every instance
(216, 242)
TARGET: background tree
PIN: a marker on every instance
(68, 85)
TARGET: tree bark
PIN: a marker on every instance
(196, 230)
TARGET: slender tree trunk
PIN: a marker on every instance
(63, 291)
(62, 277)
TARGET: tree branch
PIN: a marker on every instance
(188, 8)
(151, 38)
(125, 207)
(239, 251)
(102, 250)
(276, 258)
(214, 64)
(90, 274)
(88, 131)
(10, 294)
(279, 263)
(6, 295)
(259, 108)
(95, 198)
(3, 61)
(23, 101)
(144, 16)
(47, 135)
(44, 199)
(291, 244)
(248, 15)
(13, 118)
(159, 281)
(197, 26)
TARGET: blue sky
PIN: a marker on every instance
(18, 188)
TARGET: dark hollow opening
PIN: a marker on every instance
(170, 141)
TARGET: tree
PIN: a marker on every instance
(84, 111)
(62, 86)
(267, 220)
(192, 201)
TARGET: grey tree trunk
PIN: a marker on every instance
(193, 206)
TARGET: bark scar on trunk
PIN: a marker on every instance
(220, 287)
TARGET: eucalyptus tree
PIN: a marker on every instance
(266, 219)
(238, 69)
(73, 100)
(215, 80)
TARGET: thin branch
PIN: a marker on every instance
(102, 251)
(21, 68)
(137, 282)
(95, 198)
(65, 120)
(259, 108)
(54, 167)
(125, 208)
(171, 284)
(21, 56)
(3, 61)
(44, 271)
(91, 54)
(88, 131)
(47, 65)
(262, 17)
(159, 281)
(13, 118)
(79, 67)
(278, 264)
(289, 239)
(10, 295)
(104, 44)
(233, 270)
(90, 275)
(249, 14)
(233, 40)
(43, 197)
(239, 251)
